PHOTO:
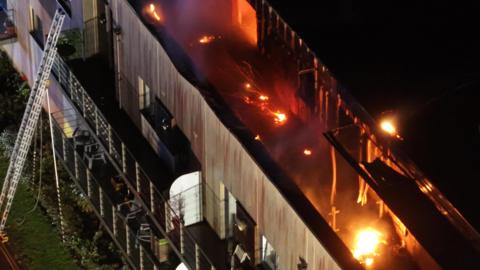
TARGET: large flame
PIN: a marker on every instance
(366, 246)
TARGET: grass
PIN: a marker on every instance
(36, 242)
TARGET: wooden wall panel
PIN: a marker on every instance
(222, 156)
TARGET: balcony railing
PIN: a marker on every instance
(155, 204)
(87, 182)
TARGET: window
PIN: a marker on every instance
(143, 94)
(36, 27)
(269, 256)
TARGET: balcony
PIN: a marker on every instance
(166, 138)
(132, 207)
(8, 31)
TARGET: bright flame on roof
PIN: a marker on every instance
(366, 246)
(280, 118)
(263, 97)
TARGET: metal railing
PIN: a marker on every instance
(87, 181)
(153, 201)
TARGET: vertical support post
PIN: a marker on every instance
(89, 184)
(96, 121)
(110, 143)
(83, 105)
(64, 148)
(167, 217)
(182, 244)
(114, 213)
(124, 159)
(100, 198)
(197, 256)
(75, 161)
(333, 222)
(152, 200)
(142, 266)
(127, 236)
(137, 176)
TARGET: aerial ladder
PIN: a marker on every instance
(29, 121)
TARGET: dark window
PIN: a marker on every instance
(36, 27)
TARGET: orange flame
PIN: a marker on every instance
(206, 39)
(280, 118)
(307, 152)
(248, 86)
(257, 137)
(367, 243)
(263, 97)
(154, 13)
(247, 100)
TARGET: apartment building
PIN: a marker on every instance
(211, 132)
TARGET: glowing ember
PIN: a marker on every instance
(263, 97)
(366, 246)
(206, 39)
(280, 118)
(257, 137)
(248, 86)
(307, 152)
(153, 12)
(388, 127)
(247, 100)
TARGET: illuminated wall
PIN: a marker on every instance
(244, 16)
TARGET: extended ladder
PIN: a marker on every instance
(30, 119)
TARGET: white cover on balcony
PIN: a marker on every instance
(186, 198)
